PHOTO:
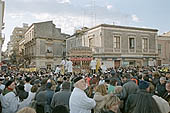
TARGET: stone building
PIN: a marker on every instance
(163, 49)
(13, 45)
(44, 45)
(118, 45)
(2, 36)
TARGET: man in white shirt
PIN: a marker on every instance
(69, 66)
(104, 68)
(79, 102)
(27, 85)
(57, 70)
(93, 65)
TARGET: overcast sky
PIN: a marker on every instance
(70, 15)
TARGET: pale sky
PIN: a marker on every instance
(70, 15)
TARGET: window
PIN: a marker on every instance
(144, 44)
(49, 49)
(91, 41)
(159, 48)
(116, 42)
(131, 43)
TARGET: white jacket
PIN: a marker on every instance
(26, 102)
(93, 64)
(163, 104)
(10, 103)
(69, 66)
(80, 103)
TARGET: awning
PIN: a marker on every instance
(81, 59)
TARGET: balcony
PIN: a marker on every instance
(49, 54)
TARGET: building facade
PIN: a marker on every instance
(163, 49)
(13, 45)
(2, 36)
(44, 45)
(118, 45)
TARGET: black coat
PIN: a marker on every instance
(160, 89)
(133, 99)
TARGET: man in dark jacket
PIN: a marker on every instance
(167, 94)
(44, 99)
(129, 87)
(160, 87)
(62, 97)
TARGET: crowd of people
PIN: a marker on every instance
(113, 90)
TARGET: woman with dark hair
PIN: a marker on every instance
(142, 101)
(146, 104)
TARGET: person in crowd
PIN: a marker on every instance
(53, 85)
(69, 67)
(112, 85)
(162, 104)
(168, 75)
(129, 87)
(155, 78)
(63, 66)
(57, 70)
(20, 92)
(118, 89)
(110, 105)
(27, 84)
(101, 81)
(9, 87)
(104, 68)
(62, 97)
(79, 102)
(60, 109)
(10, 100)
(26, 102)
(42, 85)
(166, 96)
(99, 96)
(44, 99)
(141, 101)
(2, 86)
(160, 87)
(26, 110)
(93, 64)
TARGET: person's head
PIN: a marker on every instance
(80, 83)
(163, 80)
(26, 110)
(118, 89)
(155, 74)
(60, 109)
(10, 84)
(111, 103)
(168, 86)
(37, 82)
(66, 85)
(34, 88)
(144, 85)
(101, 89)
(48, 85)
(126, 77)
(145, 103)
(113, 82)
(27, 79)
(168, 75)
